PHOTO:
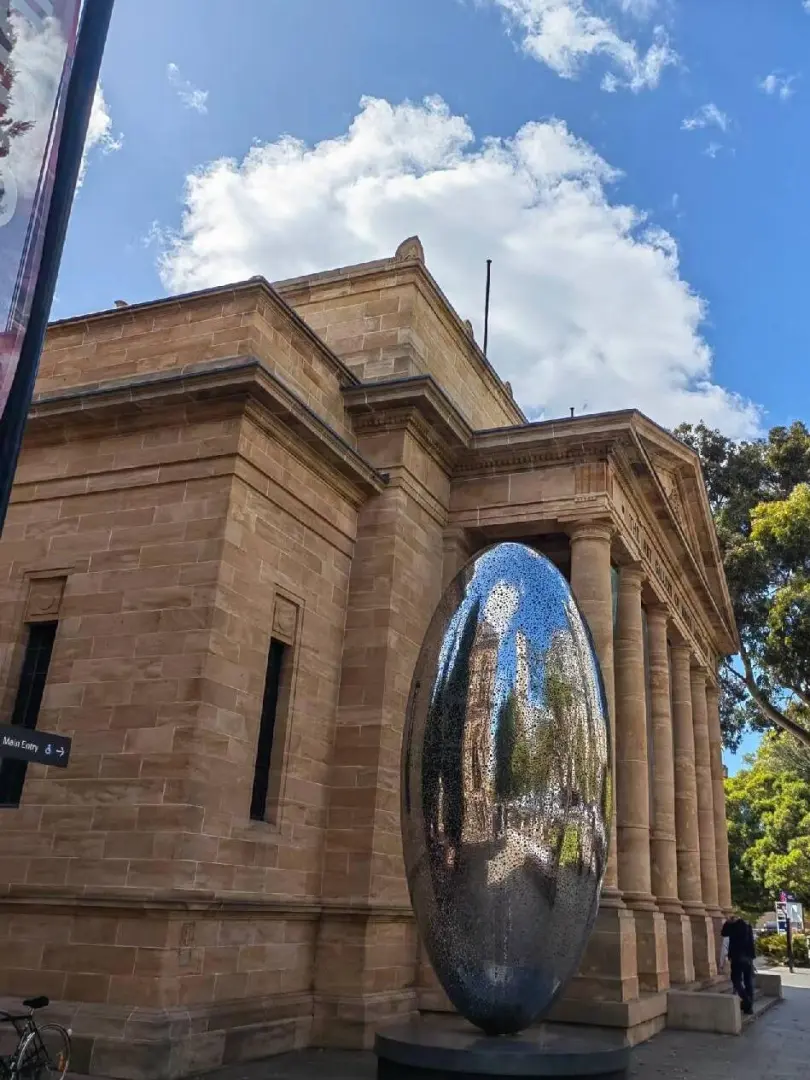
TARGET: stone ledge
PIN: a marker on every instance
(704, 1011)
(184, 902)
(124, 1043)
(643, 1010)
(350, 1022)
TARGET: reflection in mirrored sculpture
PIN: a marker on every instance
(506, 788)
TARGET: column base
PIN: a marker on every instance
(680, 949)
(651, 950)
(718, 918)
(704, 950)
(608, 971)
(611, 897)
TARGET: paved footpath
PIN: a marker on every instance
(775, 1047)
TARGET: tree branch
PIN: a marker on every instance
(769, 711)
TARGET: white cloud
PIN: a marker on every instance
(779, 85)
(706, 116)
(713, 149)
(99, 132)
(191, 96)
(563, 34)
(588, 305)
(39, 54)
(642, 9)
(501, 605)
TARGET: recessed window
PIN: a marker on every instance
(274, 705)
(34, 675)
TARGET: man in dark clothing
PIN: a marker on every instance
(741, 953)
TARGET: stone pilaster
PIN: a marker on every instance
(719, 795)
(609, 969)
(456, 552)
(632, 784)
(705, 793)
(686, 815)
(663, 852)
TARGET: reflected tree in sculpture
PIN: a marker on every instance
(506, 791)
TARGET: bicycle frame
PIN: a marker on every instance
(26, 1029)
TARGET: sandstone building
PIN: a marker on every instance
(234, 514)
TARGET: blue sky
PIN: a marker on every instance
(634, 168)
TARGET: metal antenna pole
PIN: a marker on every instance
(486, 306)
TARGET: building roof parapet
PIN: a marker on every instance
(345, 375)
(244, 377)
(408, 264)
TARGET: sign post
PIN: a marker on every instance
(39, 747)
(40, 159)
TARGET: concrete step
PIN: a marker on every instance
(761, 1005)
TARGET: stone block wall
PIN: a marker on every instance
(173, 336)
(389, 320)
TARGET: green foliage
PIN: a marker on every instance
(768, 810)
(570, 851)
(774, 946)
(760, 497)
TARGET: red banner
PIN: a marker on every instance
(37, 45)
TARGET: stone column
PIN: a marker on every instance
(705, 792)
(609, 970)
(592, 587)
(663, 852)
(686, 814)
(719, 793)
(632, 784)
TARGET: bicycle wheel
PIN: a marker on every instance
(44, 1054)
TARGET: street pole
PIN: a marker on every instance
(92, 36)
(789, 927)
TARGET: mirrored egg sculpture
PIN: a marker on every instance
(506, 788)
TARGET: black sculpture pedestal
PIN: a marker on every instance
(449, 1048)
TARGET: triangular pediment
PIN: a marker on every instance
(669, 478)
(679, 479)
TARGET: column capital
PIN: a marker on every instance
(681, 652)
(698, 674)
(632, 573)
(595, 529)
(712, 691)
(657, 613)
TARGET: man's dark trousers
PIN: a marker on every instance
(742, 978)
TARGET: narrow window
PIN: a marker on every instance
(34, 674)
(276, 679)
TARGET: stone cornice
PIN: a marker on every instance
(720, 605)
(640, 536)
(257, 284)
(648, 432)
(242, 378)
(395, 403)
(197, 902)
(545, 442)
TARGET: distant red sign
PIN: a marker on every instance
(37, 45)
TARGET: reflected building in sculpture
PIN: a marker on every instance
(477, 781)
(234, 515)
